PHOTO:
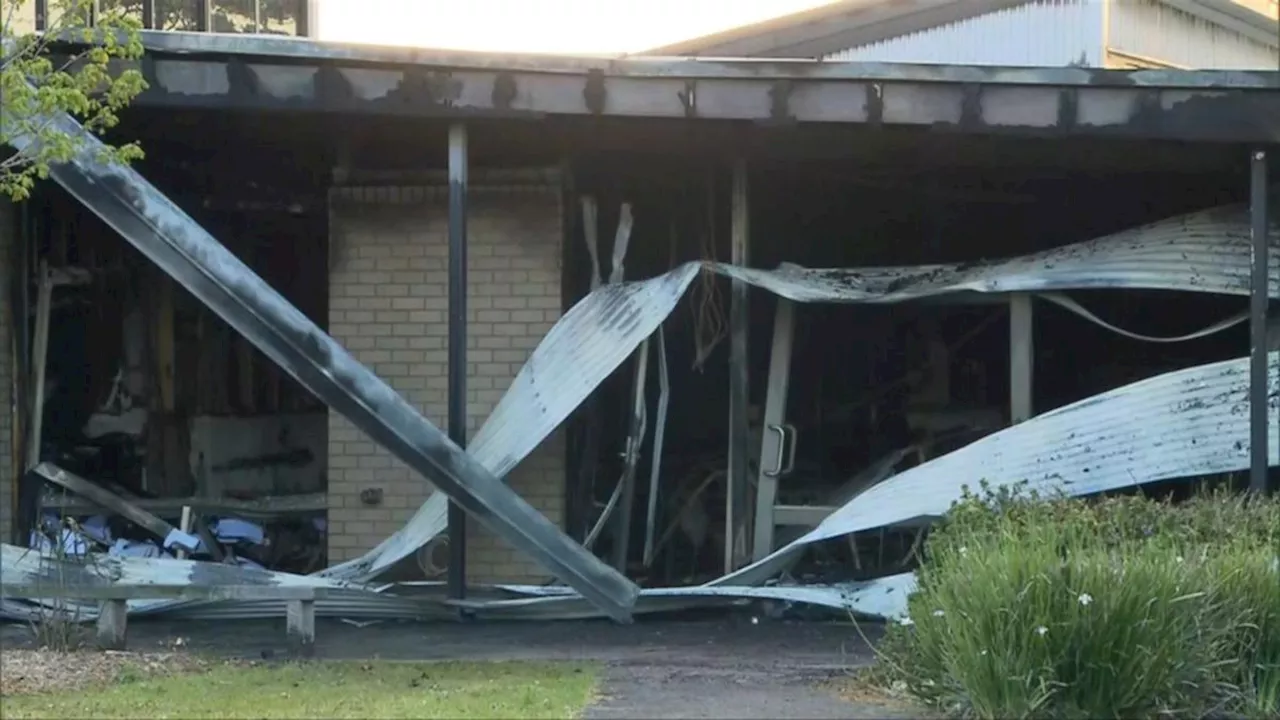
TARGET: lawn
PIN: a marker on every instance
(327, 690)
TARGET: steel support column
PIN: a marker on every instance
(204, 15)
(773, 443)
(302, 28)
(1021, 358)
(1258, 301)
(736, 514)
(457, 344)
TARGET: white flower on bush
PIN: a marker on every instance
(1085, 599)
(906, 621)
(1178, 559)
(1042, 631)
(938, 613)
(964, 550)
(983, 653)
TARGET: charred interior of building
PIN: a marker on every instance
(877, 388)
(148, 394)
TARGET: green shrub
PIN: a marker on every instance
(1121, 607)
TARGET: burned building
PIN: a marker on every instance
(848, 273)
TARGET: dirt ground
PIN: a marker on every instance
(724, 667)
(25, 671)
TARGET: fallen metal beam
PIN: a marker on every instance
(183, 249)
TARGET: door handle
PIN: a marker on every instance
(792, 437)
(785, 461)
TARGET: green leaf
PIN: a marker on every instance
(92, 86)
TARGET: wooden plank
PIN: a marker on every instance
(300, 627)
(210, 542)
(631, 456)
(165, 343)
(39, 361)
(267, 507)
(737, 513)
(185, 526)
(113, 624)
(245, 372)
(147, 591)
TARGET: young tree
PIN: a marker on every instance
(92, 83)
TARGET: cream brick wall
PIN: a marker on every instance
(8, 232)
(388, 306)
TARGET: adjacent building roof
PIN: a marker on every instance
(848, 24)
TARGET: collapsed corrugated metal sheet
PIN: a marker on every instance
(555, 380)
(175, 242)
(1207, 251)
(1184, 423)
(879, 597)
(1188, 422)
(29, 567)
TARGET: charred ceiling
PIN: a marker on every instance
(243, 72)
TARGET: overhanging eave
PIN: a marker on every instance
(273, 74)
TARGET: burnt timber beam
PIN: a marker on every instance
(737, 546)
(254, 72)
(175, 242)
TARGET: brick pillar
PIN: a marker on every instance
(388, 306)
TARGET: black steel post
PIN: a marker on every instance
(1258, 302)
(303, 26)
(149, 14)
(204, 15)
(42, 14)
(457, 344)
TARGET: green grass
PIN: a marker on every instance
(1124, 607)
(330, 690)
